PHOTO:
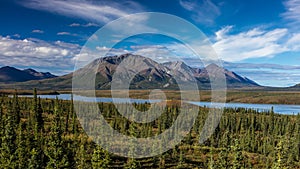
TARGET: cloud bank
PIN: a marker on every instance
(38, 53)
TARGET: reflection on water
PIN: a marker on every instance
(278, 108)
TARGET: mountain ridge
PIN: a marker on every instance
(151, 75)
(10, 74)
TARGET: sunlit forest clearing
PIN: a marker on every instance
(44, 133)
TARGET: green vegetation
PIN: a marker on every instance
(29, 92)
(43, 133)
(234, 96)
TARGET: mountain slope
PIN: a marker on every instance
(11, 74)
(150, 75)
(39, 75)
(233, 80)
(295, 87)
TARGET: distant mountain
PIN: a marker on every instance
(297, 87)
(11, 74)
(151, 75)
(233, 80)
(40, 75)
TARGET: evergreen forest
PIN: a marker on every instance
(45, 133)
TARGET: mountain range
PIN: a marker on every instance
(151, 75)
(11, 74)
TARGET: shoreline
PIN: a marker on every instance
(233, 96)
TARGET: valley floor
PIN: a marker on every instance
(291, 97)
(233, 96)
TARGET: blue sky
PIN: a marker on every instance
(257, 39)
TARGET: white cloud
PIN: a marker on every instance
(17, 35)
(75, 25)
(84, 25)
(63, 33)
(254, 43)
(37, 31)
(67, 33)
(132, 24)
(204, 12)
(294, 42)
(87, 55)
(98, 11)
(281, 75)
(169, 52)
(58, 56)
(221, 33)
(293, 11)
(158, 53)
(90, 25)
(37, 53)
(292, 18)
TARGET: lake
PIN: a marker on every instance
(278, 108)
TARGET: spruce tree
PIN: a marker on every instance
(277, 164)
(211, 164)
(222, 161)
(21, 152)
(100, 158)
(55, 149)
(39, 117)
(16, 109)
(8, 145)
(238, 160)
(74, 118)
(35, 161)
(82, 156)
(181, 159)
(132, 164)
(36, 119)
(281, 155)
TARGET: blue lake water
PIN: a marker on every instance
(278, 108)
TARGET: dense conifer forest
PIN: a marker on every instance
(43, 133)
